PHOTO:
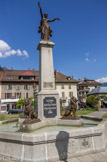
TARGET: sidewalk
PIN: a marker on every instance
(99, 113)
(97, 157)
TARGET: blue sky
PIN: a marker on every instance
(80, 36)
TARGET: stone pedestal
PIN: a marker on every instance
(48, 97)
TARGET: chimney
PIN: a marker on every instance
(4, 69)
(33, 69)
(72, 77)
(56, 73)
(28, 69)
(11, 68)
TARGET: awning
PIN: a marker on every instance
(105, 101)
(9, 100)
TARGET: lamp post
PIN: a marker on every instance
(35, 96)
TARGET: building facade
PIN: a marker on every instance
(66, 87)
(84, 87)
(15, 84)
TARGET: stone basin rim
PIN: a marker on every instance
(99, 126)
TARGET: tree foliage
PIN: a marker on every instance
(91, 101)
(19, 103)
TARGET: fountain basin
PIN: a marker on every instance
(49, 122)
(53, 146)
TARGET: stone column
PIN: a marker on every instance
(48, 97)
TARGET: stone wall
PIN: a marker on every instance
(60, 145)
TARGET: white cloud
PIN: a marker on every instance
(94, 60)
(6, 51)
(19, 53)
(10, 52)
(25, 53)
(4, 46)
(87, 60)
(102, 80)
(87, 53)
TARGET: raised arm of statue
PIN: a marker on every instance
(40, 9)
(53, 19)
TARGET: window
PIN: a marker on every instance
(9, 87)
(26, 87)
(62, 86)
(69, 86)
(9, 77)
(80, 93)
(17, 95)
(63, 94)
(70, 94)
(27, 78)
(27, 95)
(17, 87)
(8, 95)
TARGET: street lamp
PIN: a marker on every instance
(35, 96)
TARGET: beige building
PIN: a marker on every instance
(17, 84)
(66, 87)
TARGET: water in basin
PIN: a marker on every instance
(86, 123)
(11, 127)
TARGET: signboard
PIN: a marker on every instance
(50, 109)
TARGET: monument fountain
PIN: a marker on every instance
(26, 143)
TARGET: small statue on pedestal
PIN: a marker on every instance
(71, 108)
(29, 112)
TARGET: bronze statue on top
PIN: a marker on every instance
(44, 27)
(72, 107)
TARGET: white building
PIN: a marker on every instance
(66, 87)
(85, 86)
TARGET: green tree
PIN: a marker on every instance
(19, 103)
(91, 101)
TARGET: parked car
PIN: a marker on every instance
(82, 105)
(15, 111)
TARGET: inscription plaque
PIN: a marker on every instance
(48, 85)
(50, 109)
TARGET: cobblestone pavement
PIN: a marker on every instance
(98, 114)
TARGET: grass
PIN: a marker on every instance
(104, 116)
(84, 112)
(9, 116)
(81, 112)
(2, 117)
